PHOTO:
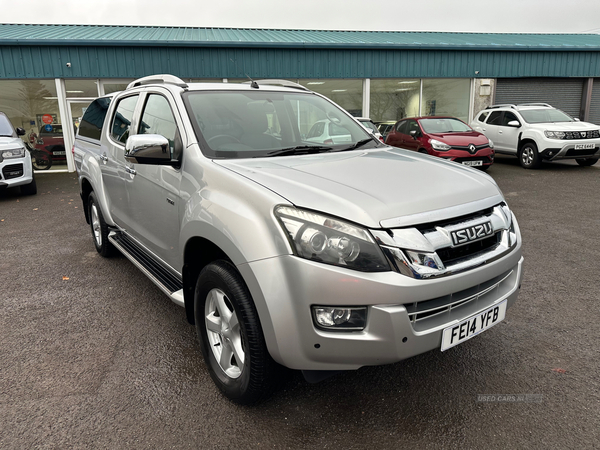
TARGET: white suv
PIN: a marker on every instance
(15, 160)
(537, 132)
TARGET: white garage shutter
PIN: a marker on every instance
(595, 103)
(562, 93)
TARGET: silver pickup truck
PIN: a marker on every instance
(320, 256)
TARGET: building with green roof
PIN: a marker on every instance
(52, 72)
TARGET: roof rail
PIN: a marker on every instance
(285, 83)
(507, 105)
(535, 104)
(158, 79)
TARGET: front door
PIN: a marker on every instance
(154, 202)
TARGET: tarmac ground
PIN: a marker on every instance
(93, 355)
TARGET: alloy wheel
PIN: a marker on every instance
(224, 334)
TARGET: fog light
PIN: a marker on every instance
(340, 318)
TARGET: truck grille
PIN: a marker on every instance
(425, 314)
(594, 134)
(450, 246)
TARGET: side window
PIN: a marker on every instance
(508, 116)
(157, 118)
(93, 119)
(495, 118)
(402, 127)
(482, 116)
(413, 126)
(121, 122)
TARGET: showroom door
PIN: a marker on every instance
(75, 109)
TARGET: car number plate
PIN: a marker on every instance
(468, 328)
(473, 163)
(59, 153)
(584, 146)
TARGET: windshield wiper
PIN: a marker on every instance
(358, 144)
(299, 150)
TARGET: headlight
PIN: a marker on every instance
(325, 239)
(491, 144)
(438, 145)
(554, 134)
(13, 153)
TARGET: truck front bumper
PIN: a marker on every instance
(284, 289)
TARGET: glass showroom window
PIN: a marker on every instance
(346, 93)
(81, 88)
(112, 86)
(446, 97)
(394, 99)
(33, 105)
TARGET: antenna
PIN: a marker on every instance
(253, 84)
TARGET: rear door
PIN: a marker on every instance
(508, 137)
(395, 136)
(492, 125)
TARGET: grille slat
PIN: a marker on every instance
(426, 309)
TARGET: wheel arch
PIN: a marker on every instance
(86, 189)
(524, 141)
(197, 254)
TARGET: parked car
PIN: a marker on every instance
(446, 137)
(370, 125)
(15, 160)
(384, 128)
(328, 132)
(50, 147)
(536, 132)
(282, 250)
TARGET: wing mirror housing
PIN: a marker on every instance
(415, 134)
(148, 149)
(514, 123)
(20, 131)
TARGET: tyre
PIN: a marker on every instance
(529, 156)
(230, 335)
(41, 161)
(29, 189)
(586, 161)
(99, 227)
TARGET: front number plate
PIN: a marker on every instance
(465, 330)
(473, 163)
(584, 146)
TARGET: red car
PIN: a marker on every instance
(446, 137)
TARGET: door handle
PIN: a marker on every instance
(130, 170)
(499, 131)
(103, 157)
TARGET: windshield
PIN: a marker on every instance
(247, 124)
(545, 115)
(444, 125)
(6, 128)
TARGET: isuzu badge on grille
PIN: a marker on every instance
(470, 234)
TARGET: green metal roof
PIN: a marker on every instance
(98, 35)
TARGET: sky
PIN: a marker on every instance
(507, 16)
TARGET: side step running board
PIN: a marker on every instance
(169, 283)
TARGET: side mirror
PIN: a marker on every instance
(148, 149)
(415, 134)
(20, 131)
(576, 119)
(514, 123)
